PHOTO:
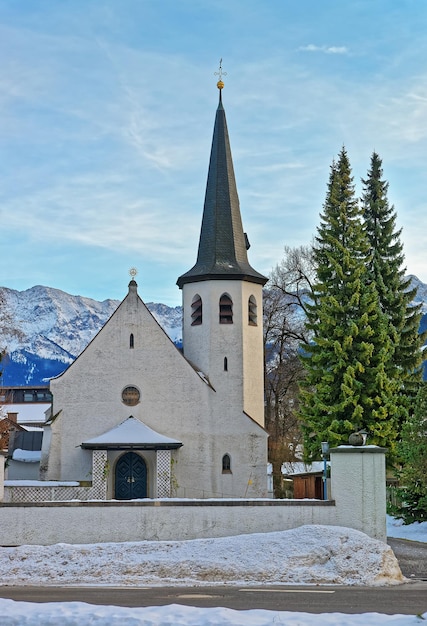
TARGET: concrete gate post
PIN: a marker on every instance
(358, 486)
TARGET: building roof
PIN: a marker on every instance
(25, 439)
(28, 412)
(131, 434)
(298, 468)
(223, 245)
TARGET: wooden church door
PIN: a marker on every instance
(130, 477)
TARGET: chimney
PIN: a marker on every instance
(13, 417)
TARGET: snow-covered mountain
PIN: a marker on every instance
(44, 329)
(421, 295)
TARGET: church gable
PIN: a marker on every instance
(131, 327)
(131, 343)
(130, 367)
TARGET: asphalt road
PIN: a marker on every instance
(412, 557)
(409, 598)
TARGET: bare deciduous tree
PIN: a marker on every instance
(285, 297)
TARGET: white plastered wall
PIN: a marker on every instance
(206, 345)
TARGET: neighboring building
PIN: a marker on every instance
(156, 422)
(8, 425)
(24, 411)
(24, 454)
(29, 403)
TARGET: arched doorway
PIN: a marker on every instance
(130, 477)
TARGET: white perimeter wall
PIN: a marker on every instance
(357, 489)
(92, 522)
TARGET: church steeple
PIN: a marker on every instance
(222, 294)
(223, 245)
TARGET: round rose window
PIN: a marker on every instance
(130, 396)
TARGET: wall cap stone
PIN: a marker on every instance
(363, 449)
(169, 502)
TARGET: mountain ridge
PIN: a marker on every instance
(44, 329)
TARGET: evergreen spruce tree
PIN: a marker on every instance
(346, 386)
(413, 452)
(394, 290)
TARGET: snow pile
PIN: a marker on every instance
(307, 555)
(79, 613)
(310, 554)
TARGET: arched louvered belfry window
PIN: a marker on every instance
(196, 310)
(252, 311)
(225, 309)
(131, 341)
(226, 464)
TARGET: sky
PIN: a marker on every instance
(308, 555)
(107, 110)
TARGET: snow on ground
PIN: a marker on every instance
(305, 555)
(81, 614)
(414, 532)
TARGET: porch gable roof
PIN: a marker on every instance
(132, 434)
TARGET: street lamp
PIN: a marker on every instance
(325, 453)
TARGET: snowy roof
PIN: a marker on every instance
(26, 456)
(131, 434)
(27, 411)
(297, 468)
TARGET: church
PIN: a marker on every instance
(144, 419)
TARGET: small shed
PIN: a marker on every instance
(308, 486)
(307, 479)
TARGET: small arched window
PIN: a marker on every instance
(252, 311)
(131, 341)
(225, 364)
(196, 310)
(225, 309)
(226, 464)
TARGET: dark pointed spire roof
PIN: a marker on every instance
(223, 245)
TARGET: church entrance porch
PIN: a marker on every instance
(124, 446)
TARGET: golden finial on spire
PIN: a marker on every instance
(220, 73)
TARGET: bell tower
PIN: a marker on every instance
(222, 293)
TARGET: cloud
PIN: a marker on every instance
(325, 49)
(106, 133)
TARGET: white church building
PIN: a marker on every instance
(143, 420)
